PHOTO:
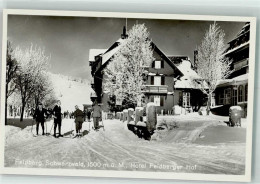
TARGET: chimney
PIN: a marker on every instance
(124, 35)
(195, 62)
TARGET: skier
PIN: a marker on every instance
(39, 116)
(57, 118)
(88, 114)
(97, 114)
(79, 118)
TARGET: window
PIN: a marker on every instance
(234, 97)
(157, 100)
(162, 64)
(163, 80)
(180, 99)
(246, 92)
(157, 80)
(221, 98)
(152, 80)
(157, 64)
(152, 98)
(240, 94)
(186, 99)
(162, 101)
(227, 96)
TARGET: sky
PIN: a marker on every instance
(68, 39)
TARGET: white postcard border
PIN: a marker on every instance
(134, 174)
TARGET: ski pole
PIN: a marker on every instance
(46, 127)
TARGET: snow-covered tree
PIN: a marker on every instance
(43, 88)
(212, 64)
(32, 64)
(125, 72)
(11, 68)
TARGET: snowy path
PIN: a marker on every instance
(117, 148)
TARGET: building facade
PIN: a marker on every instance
(234, 90)
(187, 90)
(171, 80)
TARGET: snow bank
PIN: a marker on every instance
(14, 135)
(140, 123)
(182, 129)
(131, 123)
(235, 108)
(151, 116)
(139, 108)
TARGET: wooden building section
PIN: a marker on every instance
(234, 90)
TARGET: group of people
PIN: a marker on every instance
(41, 114)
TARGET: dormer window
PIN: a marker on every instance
(158, 64)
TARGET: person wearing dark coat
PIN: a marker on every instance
(88, 115)
(97, 115)
(79, 118)
(57, 118)
(39, 116)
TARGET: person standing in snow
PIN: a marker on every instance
(97, 114)
(39, 116)
(57, 118)
(88, 114)
(79, 118)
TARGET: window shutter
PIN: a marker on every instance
(152, 80)
(163, 80)
(153, 64)
(152, 98)
(162, 64)
(161, 101)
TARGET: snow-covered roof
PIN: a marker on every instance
(95, 52)
(236, 48)
(188, 80)
(235, 107)
(185, 68)
(109, 54)
(241, 78)
(233, 81)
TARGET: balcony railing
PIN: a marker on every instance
(240, 64)
(156, 89)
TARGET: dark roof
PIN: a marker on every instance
(245, 29)
(178, 59)
(116, 44)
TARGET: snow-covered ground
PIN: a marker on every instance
(182, 149)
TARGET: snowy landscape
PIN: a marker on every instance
(192, 148)
(123, 102)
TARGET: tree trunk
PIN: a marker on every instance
(22, 111)
(208, 103)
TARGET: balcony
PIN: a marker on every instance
(161, 89)
(240, 64)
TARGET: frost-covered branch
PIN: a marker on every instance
(212, 64)
(124, 74)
